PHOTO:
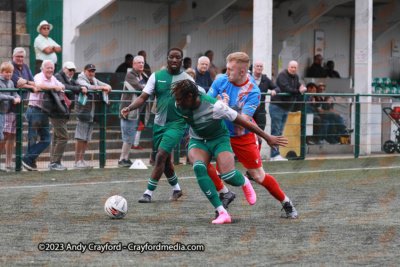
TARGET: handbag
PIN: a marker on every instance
(54, 105)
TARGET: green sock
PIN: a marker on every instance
(152, 184)
(173, 180)
(206, 184)
(234, 178)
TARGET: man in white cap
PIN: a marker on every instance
(45, 47)
(59, 122)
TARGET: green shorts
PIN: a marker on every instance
(214, 146)
(169, 135)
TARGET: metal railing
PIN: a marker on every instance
(113, 106)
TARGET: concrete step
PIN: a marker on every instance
(330, 149)
(92, 155)
(94, 145)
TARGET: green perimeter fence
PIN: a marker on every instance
(109, 120)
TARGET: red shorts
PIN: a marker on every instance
(246, 150)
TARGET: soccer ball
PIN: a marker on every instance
(116, 207)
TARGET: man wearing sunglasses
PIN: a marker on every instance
(45, 47)
(59, 123)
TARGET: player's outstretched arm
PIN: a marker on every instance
(137, 103)
(271, 140)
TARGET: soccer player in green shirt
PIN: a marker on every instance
(169, 126)
(209, 137)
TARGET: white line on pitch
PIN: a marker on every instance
(76, 184)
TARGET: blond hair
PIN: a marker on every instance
(241, 58)
(7, 66)
(191, 71)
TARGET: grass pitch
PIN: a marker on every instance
(348, 215)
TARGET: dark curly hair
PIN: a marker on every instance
(184, 88)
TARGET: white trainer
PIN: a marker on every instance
(82, 165)
(278, 158)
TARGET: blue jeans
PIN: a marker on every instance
(320, 128)
(336, 126)
(278, 120)
(38, 122)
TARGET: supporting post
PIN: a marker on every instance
(357, 130)
(103, 133)
(303, 129)
(13, 26)
(363, 69)
(18, 137)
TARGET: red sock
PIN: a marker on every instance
(214, 177)
(273, 187)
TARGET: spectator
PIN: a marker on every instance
(331, 73)
(203, 77)
(45, 47)
(147, 69)
(336, 127)
(135, 80)
(320, 125)
(38, 120)
(6, 98)
(126, 65)
(316, 70)
(192, 73)
(86, 113)
(318, 98)
(22, 78)
(22, 75)
(214, 70)
(288, 82)
(264, 83)
(187, 63)
(59, 121)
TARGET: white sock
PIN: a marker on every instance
(246, 181)
(223, 190)
(285, 200)
(148, 192)
(221, 208)
(176, 187)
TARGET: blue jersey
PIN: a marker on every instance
(243, 98)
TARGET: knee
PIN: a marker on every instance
(258, 175)
(200, 169)
(258, 178)
(63, 139)
(162, 156)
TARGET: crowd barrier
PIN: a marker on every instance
(106, 143)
